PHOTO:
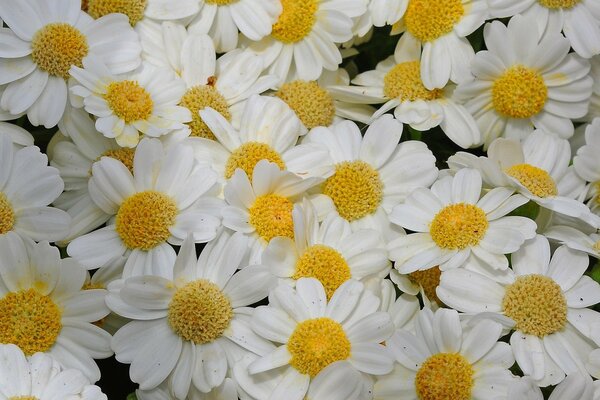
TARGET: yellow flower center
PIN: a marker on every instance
(537, 305)
(596, 246)
(316, 343)
(445, 376)
(23, 398)
(429, 280)
(311, 103)
(198, 98)
(427, 20)
(144, 219)
(134, 9)
(404, 82)
(271, 216)
(536, 180)
(458, 226)
(248, 155)
(296, 20)
(125, 155)
(91, 286)
(355, 188)
(220, 2)
(520, 92)
(58, 46)
(30, 320)
(325, 264)
(7, 215)
(129, 101)
(199, 312)
(554, 4)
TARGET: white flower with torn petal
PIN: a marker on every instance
(335, 341)
(524, 81)
(187, 328)
(44, 42)
(444, 360)
(454, 222)
(44, 308)
(587, 166)
(167, 196)
(372, 173)
(144, 102)
(544, 299)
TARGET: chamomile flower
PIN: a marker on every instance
(522, 82)
(303, 40)
(329, 251)
(578, 19)
(443, 360)
(186, 328)
(167, 196)
(575, 239)
(372, 173)
(312, 334)
(45, 41)
(27, 187)
(41, 377)
(453, 222)
(544, 299)
(586, 164)
(43, 307)
(403, 310)
(142, 102)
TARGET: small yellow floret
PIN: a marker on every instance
(325, 264)
(554, 4)
(596, 247)
(144, 219)
(296, 20)
(125, 155)
(23, 398)
(458, 226)
(403, 82)
(30, 320)
(200, 312)
(129, 101)
(248, 155)
(520, 92)
(198, 98)
(316, 343)
(445, 376)
(536, 180)
(428, 20)
(7, 215)
(56, 47)
(429, 280)
(271, 216)
(221, 2)
(311, 103)
(134, 9)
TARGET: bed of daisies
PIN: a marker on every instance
(300, 199)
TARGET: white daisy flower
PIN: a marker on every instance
(303, 40)
(372, 173)
(454, 222)
(186, 328)
(329, 252)
(575, 386)
(578, 19)
(312, 334)
(575, 239)
(18, 136)
(41, 377)
(544, 300)
(27, 187)
(442, 360)
(142, 102)
(166, 197)
(586, 164)
(226, 391)
(43, 307)
(45, 41)
(133, 9)
(397, 82)
(403, 310)
(522, 82)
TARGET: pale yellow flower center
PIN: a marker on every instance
(325, 264)
(311, 103)
(555, 4)
(428, 20)
(7, 215)
(429, 280)
(125, 155)
(445, 376)
(520, 92)
(536, 180)
(248, 155)
(198, 98)
(129, 101)
(458, 226)
(134, 9)
(403, 82)
(57, 47)
(296, 21)
(271, 216)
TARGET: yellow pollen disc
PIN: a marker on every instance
(537, 305)
(355, 188)
(248, 155)
(296, 20)
(520, 92)
(199, 312)
(429, 280)
(311, 103)
(134, 9)
(445, 376)
(144, 219)
(198, 98)
(7, 215)
(325, 264)
(427, 20)
(129, 101)
(91, 286)
(58, 46)
(404, 82)
(316, 343)
(554, 4)
(220, 2)
(30, 320)
(536, 180)
(458, 226)
(271, 216)
(125, 155)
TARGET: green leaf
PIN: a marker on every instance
(131, 397)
